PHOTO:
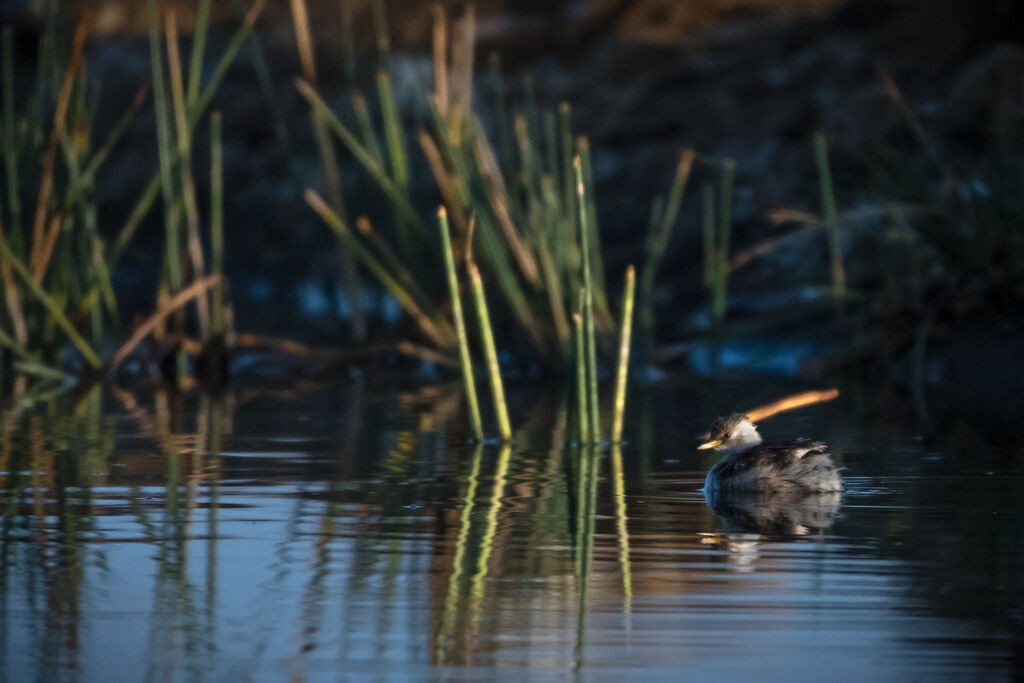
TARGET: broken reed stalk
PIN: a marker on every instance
(830, 216)
(588, 307)
(621, 374)
(175, 303)
(465, 361)
(490, 352)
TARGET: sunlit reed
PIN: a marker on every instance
(588, 306)
(465, 360)
(490, 351)
(625, 340)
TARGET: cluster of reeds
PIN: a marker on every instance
(515, 210)
(519, 191)
(51, 254)
(178, 115)
(55, 265)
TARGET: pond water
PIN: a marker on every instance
(350, 532)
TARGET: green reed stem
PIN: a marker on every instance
(594, 237)
(828, 208)
(621, 374)
(195, 71)
(581, 373)
(164, 147)
(188, 186)
(460, 327)
(393, 131)
(490, 352)
(365, 125)
(217, 220)
(51, 306)
(588, 309)
(149, 194)
(399, 163)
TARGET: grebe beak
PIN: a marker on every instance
(710, 444)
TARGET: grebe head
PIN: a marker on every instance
(732, 434)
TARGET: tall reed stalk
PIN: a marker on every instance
(622, 372)
(490, 351)
(465, 362)
(582, 415)
(588, 306)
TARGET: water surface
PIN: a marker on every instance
(351, 531)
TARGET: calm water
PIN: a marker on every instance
(351, 533)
